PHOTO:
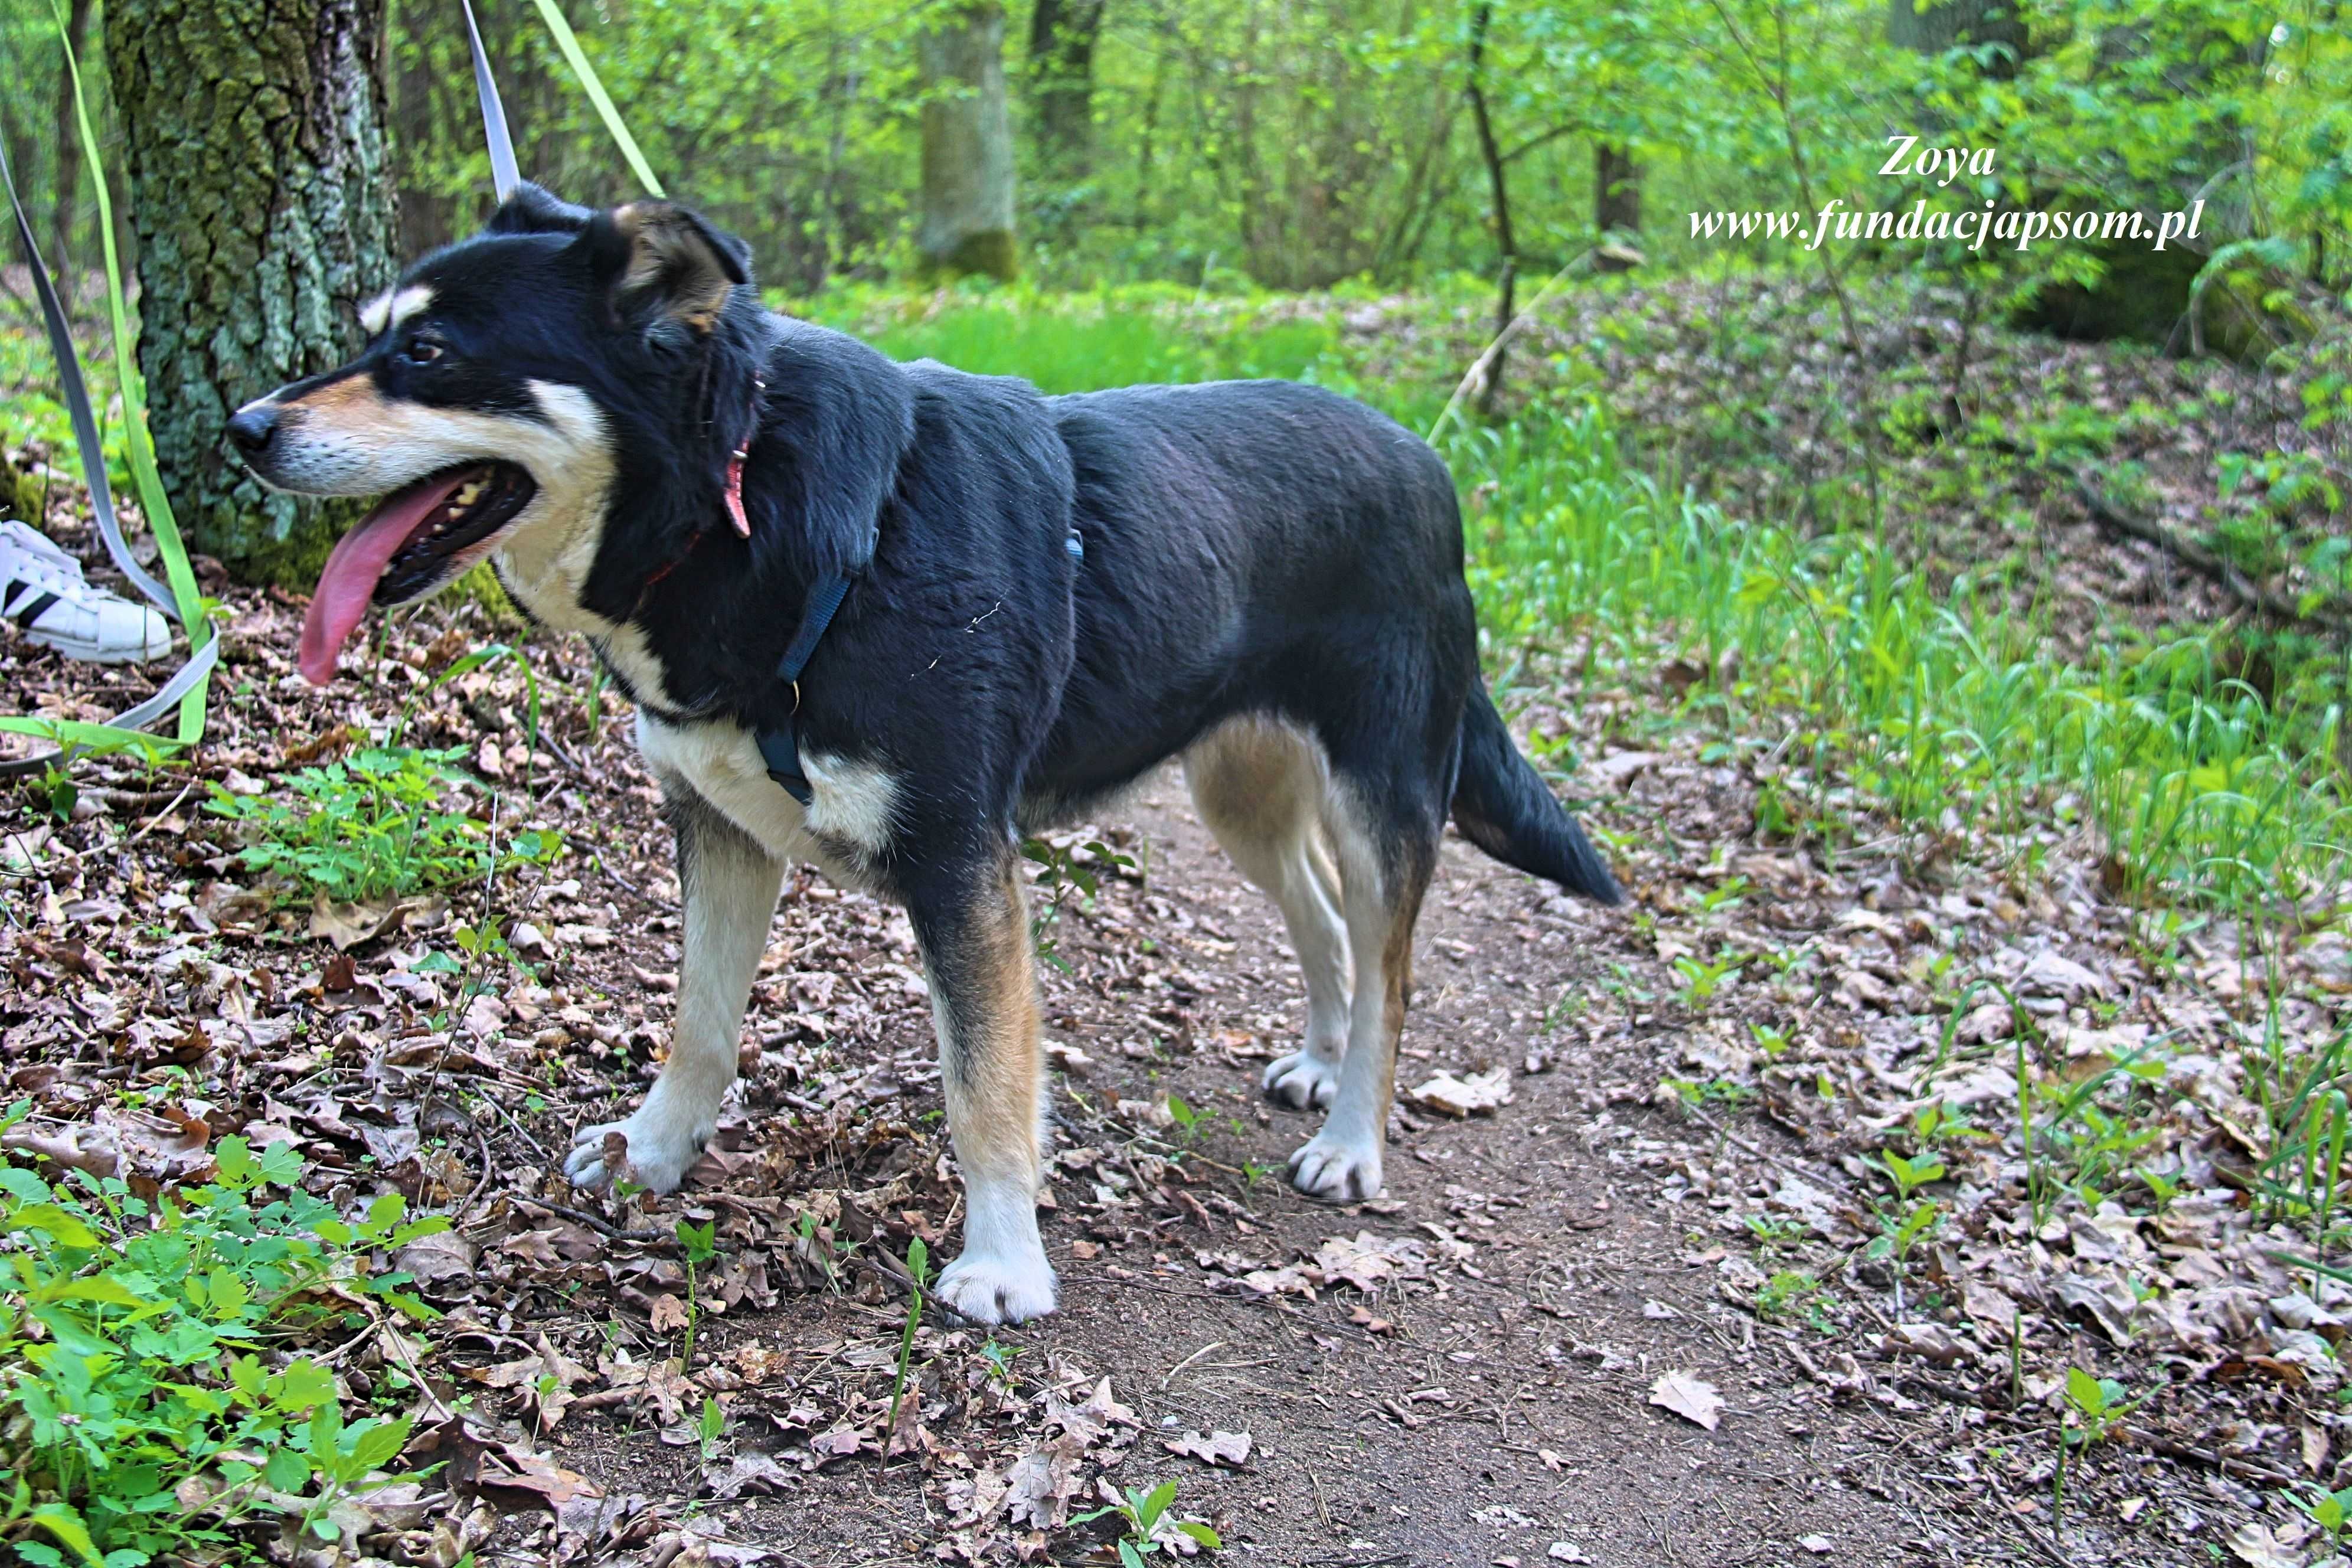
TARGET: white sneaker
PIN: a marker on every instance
(42, 591)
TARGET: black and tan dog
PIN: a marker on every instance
(1038, 600)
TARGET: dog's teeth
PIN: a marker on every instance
(467, 495)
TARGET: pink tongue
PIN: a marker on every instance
(347, 584)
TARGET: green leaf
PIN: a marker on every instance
(1156, 1503)
(67, 1525)
(287, 1469)
(107, 1290)
(1128, 1557)
(1201, 1533)
(378, 1443)
(2084, 1392)
(232, 1162)
(60, 1226)
(230, 1294)
(24, 1187)
(304, 1385)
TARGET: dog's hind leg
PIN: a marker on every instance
(1384, 869)
(1259, 786)
(730, 886)
(973, 926)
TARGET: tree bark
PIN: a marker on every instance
(68, 146)
(1061, 35)
(1490, 151)
(1616, 204)
(262, 207)
(967, 223)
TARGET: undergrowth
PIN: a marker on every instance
(377, 826)
(155, 1400)
(1853, 683)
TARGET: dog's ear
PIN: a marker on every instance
(660, 262)
(532, 210)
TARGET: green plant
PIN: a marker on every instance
(378, 825)
(2094, 1407)
(699, 1245)
(151, 1399)
(918, 1268)
(2331, 1511)
(1900, 1230)
(816, 1244)
(1910, 1175)
(1702, 980)
(1000, 1359)
(58, 793)
(711, 1428)
(1061, 872)
(1699, 1093)
(1150, 1527)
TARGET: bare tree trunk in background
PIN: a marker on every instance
(1061, 35)
(1506, 284)
(261, 199)
(68, 146)
(967, 145)
(1940, 25)
(1616, 206)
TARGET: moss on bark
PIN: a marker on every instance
(262, 205)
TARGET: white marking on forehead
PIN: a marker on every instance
(392, 307)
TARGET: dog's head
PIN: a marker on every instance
(502, 378)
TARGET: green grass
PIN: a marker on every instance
(1078, 342)
(1863, 676)
(1876, 689)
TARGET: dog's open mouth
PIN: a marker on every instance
(415, 540)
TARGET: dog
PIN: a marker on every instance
(1034, 602)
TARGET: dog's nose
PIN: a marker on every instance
(252, 426)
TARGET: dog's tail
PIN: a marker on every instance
(1501, 806)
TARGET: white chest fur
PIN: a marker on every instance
(847, 827)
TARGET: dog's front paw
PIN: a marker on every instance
(1302, 1080)
(1336, 1170)
(999, 1290)
(660, 1148)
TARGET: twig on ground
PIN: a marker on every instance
(2254, 595)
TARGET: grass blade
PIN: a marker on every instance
(566, 41)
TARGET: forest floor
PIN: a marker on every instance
(1710, 1232)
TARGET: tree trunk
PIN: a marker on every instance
(1940, 25)
(967, 145)
(1616, 207)
(68, 146)
(254, 144)
(1498, 187)
(1061, 35)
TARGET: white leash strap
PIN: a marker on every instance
(93, 462)
(505, 174)
(85, 425)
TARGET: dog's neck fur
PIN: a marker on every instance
(825, 437)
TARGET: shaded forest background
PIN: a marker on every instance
(1295, 146)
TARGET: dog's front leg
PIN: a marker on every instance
(730, 896)
(974, 929)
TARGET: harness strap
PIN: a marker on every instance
(779, 747)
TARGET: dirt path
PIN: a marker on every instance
(1498, 1414)
(1461, 1372)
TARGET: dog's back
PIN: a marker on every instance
(1250, 547)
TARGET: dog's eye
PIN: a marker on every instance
(420, 350)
